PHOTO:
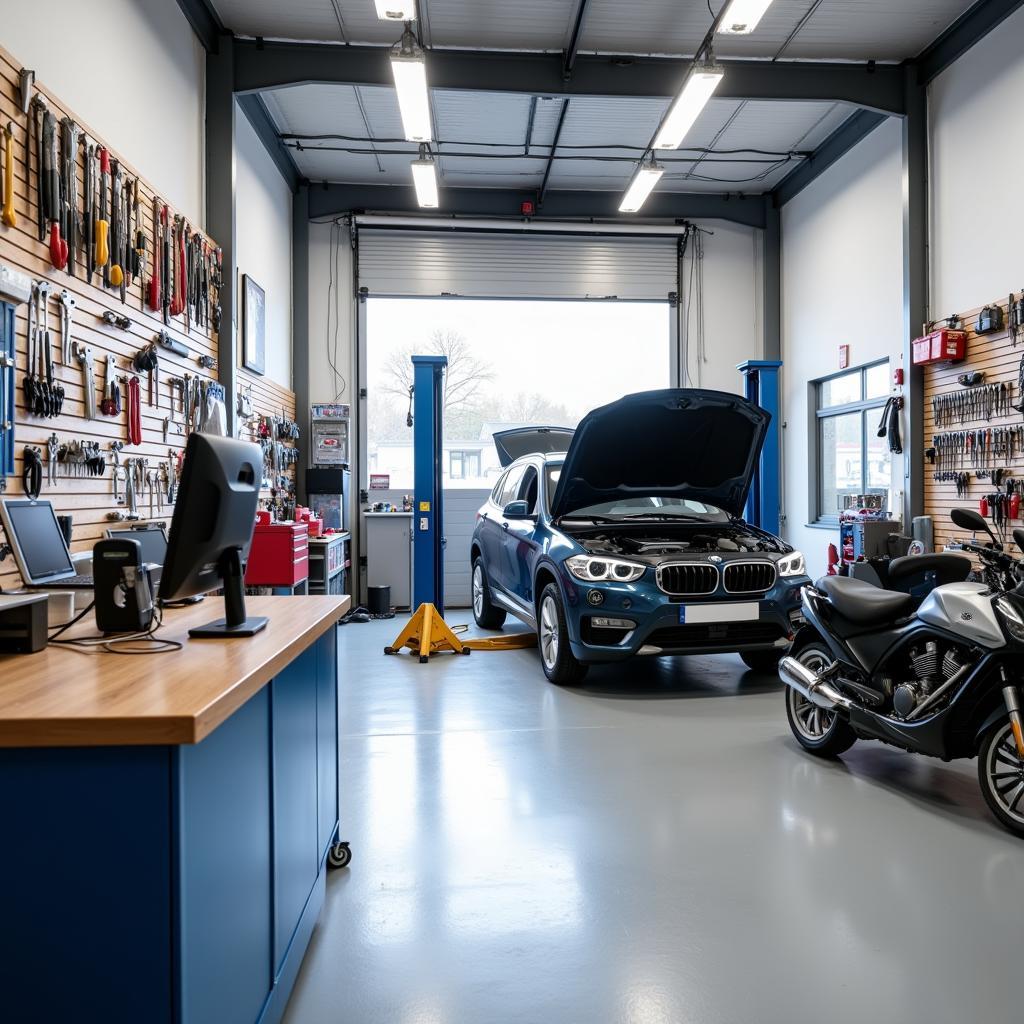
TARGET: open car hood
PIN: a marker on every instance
(513, 444)
(677, 443)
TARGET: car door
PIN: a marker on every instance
(492, 533)
(520, 544)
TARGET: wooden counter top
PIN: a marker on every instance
(64, 698)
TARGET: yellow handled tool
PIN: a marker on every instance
(8, 216)
(102, 222)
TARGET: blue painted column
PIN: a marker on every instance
(762, 387)
(428, 509)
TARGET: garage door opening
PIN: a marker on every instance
(511, 362)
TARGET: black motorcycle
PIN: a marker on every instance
(936, 674)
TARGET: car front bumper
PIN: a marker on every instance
(658, 629)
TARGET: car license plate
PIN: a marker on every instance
(696, 613)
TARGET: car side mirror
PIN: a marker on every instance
(516, 510)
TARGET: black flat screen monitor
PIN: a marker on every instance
(212, 527)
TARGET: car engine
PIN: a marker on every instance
(667, 542)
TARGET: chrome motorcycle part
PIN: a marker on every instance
(817, 728)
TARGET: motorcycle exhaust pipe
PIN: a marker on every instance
(814, 687)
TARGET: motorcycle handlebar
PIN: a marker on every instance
(990, 554)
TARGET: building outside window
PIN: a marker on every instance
(463, 464)
(851, 458)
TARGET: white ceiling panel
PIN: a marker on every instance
(492, 118)
(294, 19)
(499, 24)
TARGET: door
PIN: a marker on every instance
(492, 535)
(519, 544)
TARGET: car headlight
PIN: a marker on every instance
(1012, 619)
(591, 569)
(792, 564)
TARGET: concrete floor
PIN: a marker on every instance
(652, 848)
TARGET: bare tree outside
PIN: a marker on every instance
(464, 378)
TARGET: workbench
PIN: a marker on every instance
(167, 820)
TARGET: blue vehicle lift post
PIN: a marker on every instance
(428, 498)
(761, 386)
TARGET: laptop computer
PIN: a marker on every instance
(40, 550)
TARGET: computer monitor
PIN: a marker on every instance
(152, 540)
(37, 541)
(212, 527)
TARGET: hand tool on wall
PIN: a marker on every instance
(116, 228)
(110, 404)
(103, 221)
(43, 357)
(147, 360)
(165, 340)
(54, 388)
(52, 447)
(52, 192)
(153, 300)
(165, 264)
(118, 320)
(32, 471)
(115, 447)
(28, 383)
(84, 356)
(8, 216)
(139, 259)
(177, 299)
(89, 207)
(134, 412)
(36, 142)
(67, 313)
(71, 224)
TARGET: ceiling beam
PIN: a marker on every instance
(259, 117)
(542, 192)
(205, 22)
(333, 200)
(569, 57)
(277, 65)
(973, 25)
(837, 145)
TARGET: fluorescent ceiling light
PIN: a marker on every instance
(396, 10)
(646, 177)
(698, 88)
(410, 71)
(424, 177)
(740, 18)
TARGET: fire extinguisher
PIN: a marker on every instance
(1015, 505)
(983, 507)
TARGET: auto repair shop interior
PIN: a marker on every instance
(511, 511)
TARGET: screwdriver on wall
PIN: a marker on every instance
(102, 222)
(8, 216)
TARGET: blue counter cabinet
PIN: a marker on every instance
(177, 884)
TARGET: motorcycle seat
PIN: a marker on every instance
(862, 602)
(947, 567)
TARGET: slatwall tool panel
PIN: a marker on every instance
(267, 398)
(88, 499)
(999, 359)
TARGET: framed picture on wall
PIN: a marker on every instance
(254, 326)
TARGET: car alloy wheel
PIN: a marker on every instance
(548, 633)
(478, 590)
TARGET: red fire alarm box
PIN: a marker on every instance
(526, 208)
(279, 556)
(942, 346)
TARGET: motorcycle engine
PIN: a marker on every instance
(931, 666)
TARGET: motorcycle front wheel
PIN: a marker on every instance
(820, 732)
(1001, 777)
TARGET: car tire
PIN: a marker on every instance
(820, 732)
(486, 614)
(762, 661)
(559, 663)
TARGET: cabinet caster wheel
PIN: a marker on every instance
(339, 856)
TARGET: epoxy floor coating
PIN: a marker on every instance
(650, 848)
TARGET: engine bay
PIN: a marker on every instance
(655, 543)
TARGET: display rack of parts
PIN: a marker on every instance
(263, 398)
(89, 498)
(979, 436)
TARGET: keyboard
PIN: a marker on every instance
(70, 583)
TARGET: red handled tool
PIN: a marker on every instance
(153, 300)
(134, 412)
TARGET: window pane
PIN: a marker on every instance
(841, 440)
(841, 390)
(876, 381)
(879, 464)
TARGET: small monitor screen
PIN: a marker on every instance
(38, 536)
(152, 541)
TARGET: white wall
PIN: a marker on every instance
(977, 152)
(842, 283)
(732, 307)
(263, 213)
(133, 72)
(335, 304)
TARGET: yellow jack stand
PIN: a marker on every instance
(428, 633)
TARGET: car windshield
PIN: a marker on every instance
(638, 507)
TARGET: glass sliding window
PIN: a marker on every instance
(852, 459)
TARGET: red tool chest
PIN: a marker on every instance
(279, 556)
(942, 346)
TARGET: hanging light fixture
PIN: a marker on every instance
(409, 66)
(424, 178)
(647, 176)
(741, 16)
(396, 10)
(699, 87)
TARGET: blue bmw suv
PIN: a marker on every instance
(625, 537)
